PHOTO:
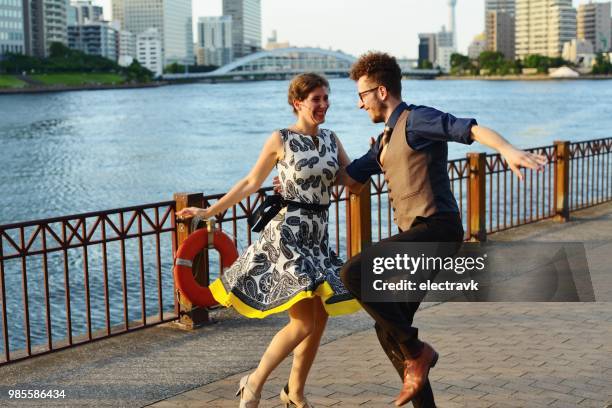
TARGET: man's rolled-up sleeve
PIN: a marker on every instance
(432, 124)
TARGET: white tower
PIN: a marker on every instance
(452, 26)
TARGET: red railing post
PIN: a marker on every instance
(190, 316)
(476, 200)
(562, 175)
(358, 221)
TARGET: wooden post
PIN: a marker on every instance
(190, 316)
(562, 167)
(477, 197)
(358, 221)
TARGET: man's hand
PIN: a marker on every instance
(517, 158)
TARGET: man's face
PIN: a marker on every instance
(370, 99)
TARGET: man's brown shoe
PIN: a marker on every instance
(415, 374)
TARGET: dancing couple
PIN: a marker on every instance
(291, 265)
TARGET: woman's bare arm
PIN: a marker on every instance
(272, 152)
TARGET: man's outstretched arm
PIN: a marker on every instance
(516, 158)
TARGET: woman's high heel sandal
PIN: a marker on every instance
(284, 396)
(248, 398)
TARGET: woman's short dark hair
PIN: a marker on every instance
(381, 68)
(302, 85)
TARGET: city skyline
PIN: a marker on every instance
(365, 30)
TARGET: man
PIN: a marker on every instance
(412, 153)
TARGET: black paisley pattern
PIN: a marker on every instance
(292, 253)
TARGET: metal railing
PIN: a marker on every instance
(72, 280)
(589, 173)
(84, 277)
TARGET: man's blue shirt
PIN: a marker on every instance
(425, 127)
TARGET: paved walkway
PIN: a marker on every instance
(492, 354)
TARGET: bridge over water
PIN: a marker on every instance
(284, 63)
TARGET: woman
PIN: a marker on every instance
(291, 266)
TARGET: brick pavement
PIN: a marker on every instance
(492, 355)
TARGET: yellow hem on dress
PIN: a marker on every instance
(324, 291)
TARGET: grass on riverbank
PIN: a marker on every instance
(78, 79)
(9, 81)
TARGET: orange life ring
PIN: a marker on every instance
(183, 276)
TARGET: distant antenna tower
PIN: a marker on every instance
(452, 25)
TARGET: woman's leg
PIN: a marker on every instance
(300, 326)
(305, 353)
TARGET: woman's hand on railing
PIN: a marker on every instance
(190, 212)
(517, 158)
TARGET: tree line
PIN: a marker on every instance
(66, 60)
(494, 63)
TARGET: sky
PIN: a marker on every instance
(357, 26)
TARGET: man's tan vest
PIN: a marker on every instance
(407, 178)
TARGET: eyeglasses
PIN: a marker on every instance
(361, 94)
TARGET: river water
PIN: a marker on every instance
(72, 152)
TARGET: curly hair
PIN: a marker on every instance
(302, 85)
(381, 68)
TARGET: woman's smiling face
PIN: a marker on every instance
(314, 108)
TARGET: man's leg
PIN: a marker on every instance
(393, 317)
(382, 312)
(391, 348)
(396, 318)
(425, 398)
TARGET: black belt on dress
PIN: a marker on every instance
(272, 206)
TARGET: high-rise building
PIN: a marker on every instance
(246, 25)
(149, 50)
(506, 6)
(452, 4)
(94, 38)
(215, 39)
(117, 10)
(48, 24)
(427, 48)
(86, 12)
(26, 10)
(11, 27)
(500, 26)
(172, 19)
(127, 48)
(500, 33)
(126, 45)
(594, 25)
(444, 49)
(543, 26)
